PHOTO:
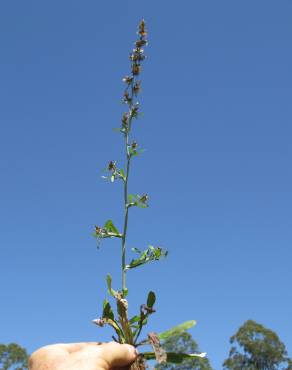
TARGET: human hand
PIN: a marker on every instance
(83, 356)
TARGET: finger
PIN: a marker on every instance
(75, 347)
(115, 354)
(52, 352)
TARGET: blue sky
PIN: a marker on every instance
(217, 132)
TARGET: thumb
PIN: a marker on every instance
(115, 354)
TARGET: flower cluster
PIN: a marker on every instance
(133, 85)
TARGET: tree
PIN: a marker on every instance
(255, 347)
(12, 356)
(183, 343)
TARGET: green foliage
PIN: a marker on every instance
(255, 347)
(12, 356)
(151, 299)
(176, 348)
(111, 291)
(137, 200)
(107, 231)
(177, 330)
(149, 255)
(107, 312)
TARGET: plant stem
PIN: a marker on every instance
(128, 157)
(126, 216)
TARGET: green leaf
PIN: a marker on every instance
(149, 255)
(110, 227)
(107, 310)
(177, 330)
(137, 200)
(173, 357)
(134, 319)
(112, 292)
(116, 328)
(151, 299)
(122, 174)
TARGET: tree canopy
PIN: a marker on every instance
(12, 356)
(255, 347)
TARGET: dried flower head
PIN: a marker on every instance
(140, 43)
(144, 198)
(142, 30)
(136, 69)
(112, 166)
(137, 55)
(134, 145)
(137, 88)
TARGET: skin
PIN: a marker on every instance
(83, 356)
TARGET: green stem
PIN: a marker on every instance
(126, 207)
(126, 215)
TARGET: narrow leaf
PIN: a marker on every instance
(134, 319)
(177, 330)
(149, 255)
(173, 357)
(112, 292)
(107, 310)
(136, 250)
(116, 328)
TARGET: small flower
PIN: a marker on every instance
(137, 87)
(99, 230)
(134, 145)
(142, 31)
(128, 79)
(140, 43)
(136, 69)
(99, 322)
(126, 98)
(137, 55)
(134, 111)
(125, 120)
(144, 198)
(112, 166)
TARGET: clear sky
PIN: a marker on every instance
(217, 166)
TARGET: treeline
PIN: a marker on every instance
(253, 347)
